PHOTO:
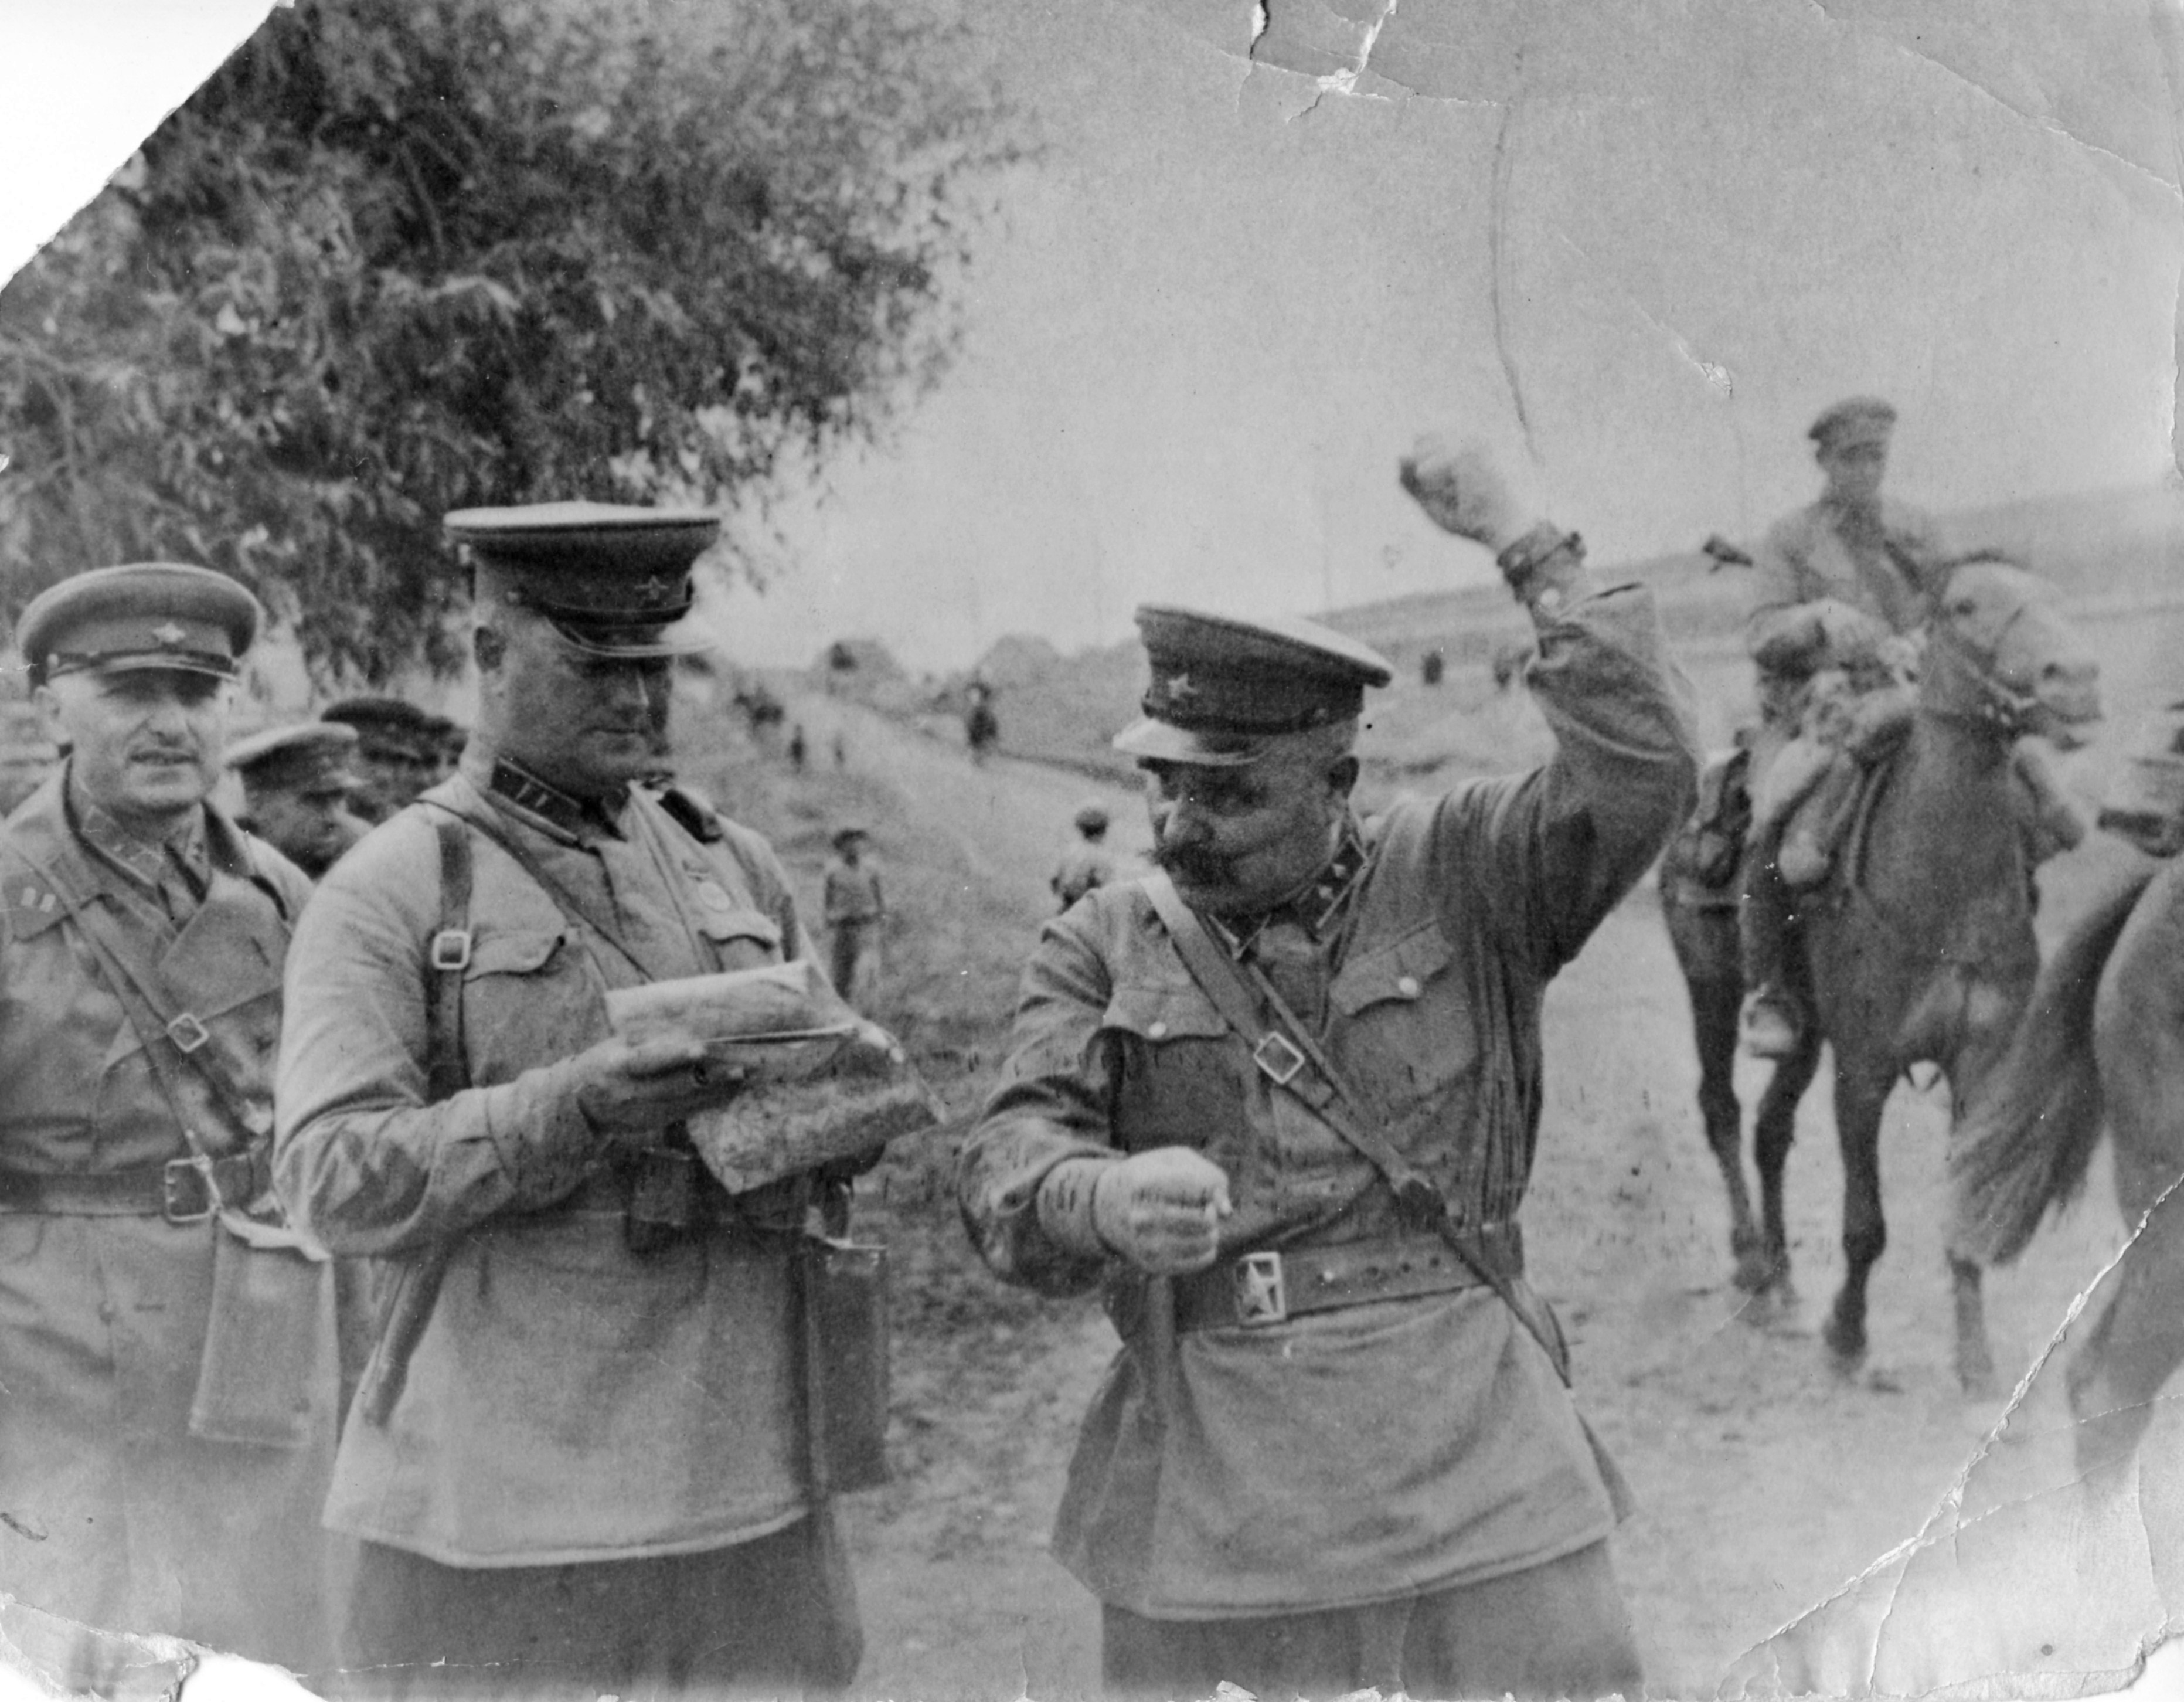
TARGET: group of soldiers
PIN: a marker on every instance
(1276, 1100)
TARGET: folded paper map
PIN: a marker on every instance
(823, 1083)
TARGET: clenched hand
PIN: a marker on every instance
(1161, 1210)
(635, 1092)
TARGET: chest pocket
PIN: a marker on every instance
(740, 939)
(1177, 1072)
(1405, 1030)
(526, 994)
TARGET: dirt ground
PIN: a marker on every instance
(1765, 1483)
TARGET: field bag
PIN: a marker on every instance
(842, 1295)
(267, 1335)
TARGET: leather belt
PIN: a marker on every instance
(181, 1191)
(1271, 1286)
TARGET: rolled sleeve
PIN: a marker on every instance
(1051, 1104)
(364, 1163)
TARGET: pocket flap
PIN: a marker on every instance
(720, 926)
(1164, 1011)
(1399, 970)
(516, 951)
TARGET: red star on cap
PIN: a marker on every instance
(1179, 685)
(170, 634)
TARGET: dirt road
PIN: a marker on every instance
(1764, 1483)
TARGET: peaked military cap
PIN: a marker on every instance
(1092, 819)
(311, 756)
(608, 576)
(147, 615)
(1222, 686)
(1865, 419)
(385, 725)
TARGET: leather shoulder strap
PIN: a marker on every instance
(1289, 1057)
(447, 1071)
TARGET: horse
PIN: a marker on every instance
(1917, 948)
(2101, 1045)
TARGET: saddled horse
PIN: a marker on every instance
(1918, 947)
(2102, 1043)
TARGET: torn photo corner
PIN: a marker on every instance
(1242, 254)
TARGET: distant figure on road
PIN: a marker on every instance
(981, 727)
(1088, 863)
(854, 910)
(841, 749)
(798, 749)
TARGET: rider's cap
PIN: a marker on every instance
(843, 834)
(1854, 419)
(1091, 819)
(310, 758)
(161, 614)
(1222, 686)
(608, 576)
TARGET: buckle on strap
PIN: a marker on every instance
(451, 950)
(187, 1033)
(1261, 1296)
(1278, 1058)
(187, 1192)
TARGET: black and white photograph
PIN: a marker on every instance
(1110, 851)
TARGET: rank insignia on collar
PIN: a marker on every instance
(169, 634)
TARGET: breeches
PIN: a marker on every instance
(768, 1618)
(1560, 1629)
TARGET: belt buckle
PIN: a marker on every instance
(187, 1194)
(1260, 1298)
(1278, 1058)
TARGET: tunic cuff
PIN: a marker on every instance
(545, 1142)
(1065, 1213)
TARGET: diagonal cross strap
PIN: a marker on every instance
(1288, 1056)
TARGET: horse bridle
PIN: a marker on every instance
(1998, 705)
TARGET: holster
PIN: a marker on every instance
(268, 1346)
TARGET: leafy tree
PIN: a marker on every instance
(402, 256)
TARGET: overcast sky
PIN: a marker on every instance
(1212, 315)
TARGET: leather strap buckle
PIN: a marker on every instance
(1278, 1058)
(187, 1033)
(451, 950)
(187, 1195)
(1262, 1297)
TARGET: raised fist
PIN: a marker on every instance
(1463, 492)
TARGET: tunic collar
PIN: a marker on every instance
(1319, 905)
(149, 865)
(577, 821)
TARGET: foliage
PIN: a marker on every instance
(402, 256)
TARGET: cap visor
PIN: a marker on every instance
(210, 667)
(653, 649)
(1160, 741)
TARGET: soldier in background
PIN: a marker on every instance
(397, 752)
(27, 753)
(167, 1422)
(580, 1464)
(1088, 863)
(296, 788)
(1839, 588)
(855, 911)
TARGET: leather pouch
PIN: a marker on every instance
(267, 1358)
(845, 1338)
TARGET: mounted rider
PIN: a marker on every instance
(1843, 588)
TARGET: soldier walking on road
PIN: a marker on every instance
(1280, 1100)
(166, 1348)
(579, 1462)
(855, 913)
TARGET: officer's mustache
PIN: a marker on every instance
(1192, 864)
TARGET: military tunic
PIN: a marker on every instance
(114, 1514)
(1386, 1449)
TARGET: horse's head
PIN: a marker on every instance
(2001, 652)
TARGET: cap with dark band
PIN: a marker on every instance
(608, 576)
(146, 615)
(1865, 419)
(311, 758)
(1221, 686)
